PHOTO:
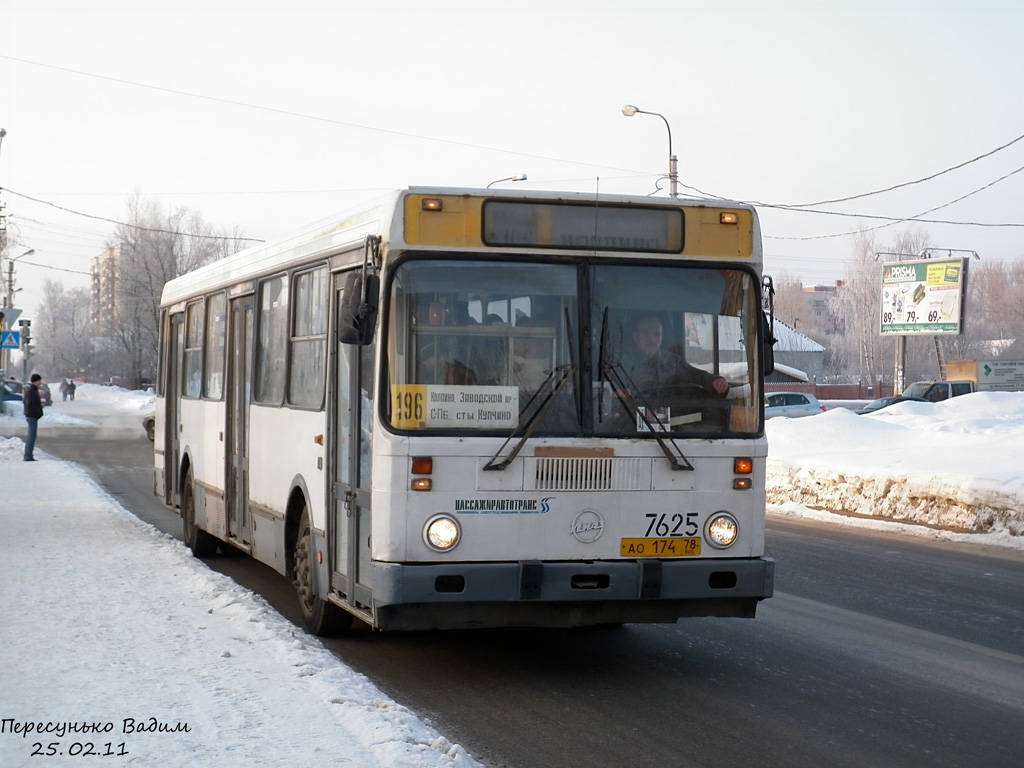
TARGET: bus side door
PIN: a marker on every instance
(173, 365)
(240, 354)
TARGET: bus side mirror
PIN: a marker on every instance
(357, 314)
(768, 350)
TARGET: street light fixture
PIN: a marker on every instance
(517, 177)
(10, 274)
(673, 177)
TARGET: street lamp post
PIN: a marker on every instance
(673, 177)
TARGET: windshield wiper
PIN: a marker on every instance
(564, 374)
(613, 373)
(547, 392)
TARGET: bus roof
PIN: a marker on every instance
(317, 239)
(350, 227)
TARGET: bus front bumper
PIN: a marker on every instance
(565, 594)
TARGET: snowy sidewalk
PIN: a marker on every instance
(114, 640)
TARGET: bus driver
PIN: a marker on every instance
(650, 367)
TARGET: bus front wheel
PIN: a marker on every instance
(319, 617)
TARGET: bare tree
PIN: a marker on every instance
(788, 298)
(151, 247)
(1013, 302)
(856, 348)
(63, 331)
(993, 312)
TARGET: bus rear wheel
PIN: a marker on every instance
(200, 542)
(319, 617)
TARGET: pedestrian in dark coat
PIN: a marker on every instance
(33, 413)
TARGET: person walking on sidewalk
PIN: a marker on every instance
(33, 413)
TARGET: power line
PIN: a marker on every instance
(895, 220)
(22, 262)
(796, 207)
(125, 224)
(290, 113)
(84, 233)
(405, 134)
(964, 164)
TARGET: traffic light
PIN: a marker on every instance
(26, 332)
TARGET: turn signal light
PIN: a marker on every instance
(422, 465)
(743, 466)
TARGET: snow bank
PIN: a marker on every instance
(954, 465)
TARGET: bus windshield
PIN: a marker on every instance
(573, 348)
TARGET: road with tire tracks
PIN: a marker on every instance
(877, 650)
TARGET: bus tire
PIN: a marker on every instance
(319, 617)
(200, 542)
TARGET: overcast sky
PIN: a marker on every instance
(269, 115)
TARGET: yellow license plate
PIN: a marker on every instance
(674, 547)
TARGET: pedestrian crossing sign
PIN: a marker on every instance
(10, 339)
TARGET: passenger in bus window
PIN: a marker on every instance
(650, 367)
(438, 364)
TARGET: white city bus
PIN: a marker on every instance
(422, 411)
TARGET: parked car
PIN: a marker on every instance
(791, 405)
(885, 402)
(149, 424)
(937, 391)
(14, 390)
(11, 390)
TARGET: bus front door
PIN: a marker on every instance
(353, 395)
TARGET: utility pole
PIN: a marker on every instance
(11, 313)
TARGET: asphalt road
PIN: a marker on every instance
(876, 651)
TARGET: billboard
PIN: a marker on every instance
(924, 296)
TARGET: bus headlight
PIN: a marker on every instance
(721, 530)
(441, 533)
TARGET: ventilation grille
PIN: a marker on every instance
(588, 474)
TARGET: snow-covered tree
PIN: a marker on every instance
(150, 247)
